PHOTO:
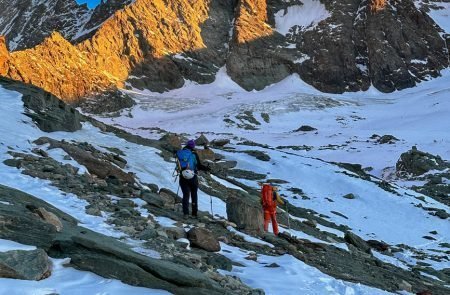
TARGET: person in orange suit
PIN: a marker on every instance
(269, 200)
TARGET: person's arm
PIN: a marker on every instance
(279, 199)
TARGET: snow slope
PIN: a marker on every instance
(345, 124)
(149, 167)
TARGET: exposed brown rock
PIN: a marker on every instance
(376, 5)
(4, 57)
(50, 217)
(145, 32)
(204, 239)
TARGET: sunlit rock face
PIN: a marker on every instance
(335, 46)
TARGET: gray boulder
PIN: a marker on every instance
(153, 199)
(220, 142)
(203, 239)
(202, 140)
(356, 241)
(246, 214)
(175, 233)
(25, 265)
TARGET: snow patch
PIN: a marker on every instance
(307, 16)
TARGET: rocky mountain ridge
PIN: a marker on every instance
(157, 45)
(26, 23)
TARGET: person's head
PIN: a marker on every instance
(190, 144)
(275, 188)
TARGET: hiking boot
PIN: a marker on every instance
(185, 216)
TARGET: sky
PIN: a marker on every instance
(90, 3)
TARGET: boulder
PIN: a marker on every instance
(441, 213)
(153, 200)
(245, 214)
(126, 203)
(416, 162)
(202, 140)
(170, 198)
(206, 155)
(378, 245)
(171, 142)
(349, 196)
(305, 128)
(390, 139)
(203, 239)
(168, 194)
(25, 265)
(220, 142)
(219, 261)
(158, 200)
(51, 218)
(356, 241)
(175, 233)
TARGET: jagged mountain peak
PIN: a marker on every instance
(26, 23)
(335, 46)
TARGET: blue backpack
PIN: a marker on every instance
(187, 159)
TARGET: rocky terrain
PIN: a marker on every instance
(88, 192)
(343, 46)
(190, 253)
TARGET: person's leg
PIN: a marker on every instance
(184, 185)
(194, 195)
(274, 223)
(266, 221)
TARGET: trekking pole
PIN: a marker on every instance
(289, 223)
(212, 212)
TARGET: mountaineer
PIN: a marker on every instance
(269, 200)
(188, 165)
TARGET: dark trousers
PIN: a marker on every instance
(189, 187)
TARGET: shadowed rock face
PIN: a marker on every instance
(157, 45)
(47, 111)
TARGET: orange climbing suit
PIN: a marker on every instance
(269, 200)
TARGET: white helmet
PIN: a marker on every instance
(188, 174)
